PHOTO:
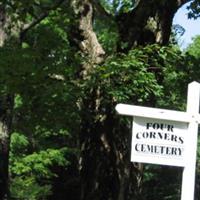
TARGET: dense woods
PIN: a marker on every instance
(64, 66)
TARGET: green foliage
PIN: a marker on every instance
(194, 9)
(143, 76)
(108, 37)
(193, 48)
(157, 185)
(191, 65)
(128, 78)
(19, 143)
(39, 163)
(40, 74)
(28, 188)
(32, 173)
(174, 77)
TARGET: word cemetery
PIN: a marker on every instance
(167, 137)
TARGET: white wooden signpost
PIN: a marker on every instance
(167, 137)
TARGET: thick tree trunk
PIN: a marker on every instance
(6, 107)
(105, 169)
(84, 37)
(93, 141)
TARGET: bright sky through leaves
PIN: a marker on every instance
(191, 26)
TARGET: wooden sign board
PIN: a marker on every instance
(158, 141)
(167, 137)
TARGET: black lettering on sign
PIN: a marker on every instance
(159, 131)
(161, 126)
(158, 150)
(159, 136)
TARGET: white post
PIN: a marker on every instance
(188, 179)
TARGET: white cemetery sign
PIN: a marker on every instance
(158, 141)
(167, 137)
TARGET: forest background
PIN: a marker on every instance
(64, 66)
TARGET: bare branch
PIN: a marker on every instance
(136, 3)
(37, 20)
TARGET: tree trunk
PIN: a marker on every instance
(6, 104)
(6, 108)
(2, 24)
(84, 37)
(105, 169)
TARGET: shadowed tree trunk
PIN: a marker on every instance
(6, 104)
(105, 169)
(6, 107)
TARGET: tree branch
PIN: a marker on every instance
(136, 3)
(182, 2)
(100, 9)
(37, 20)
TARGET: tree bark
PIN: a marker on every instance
(105, 169)
(6, 105)
(148, 23)
(2, 24)
(84, 37)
